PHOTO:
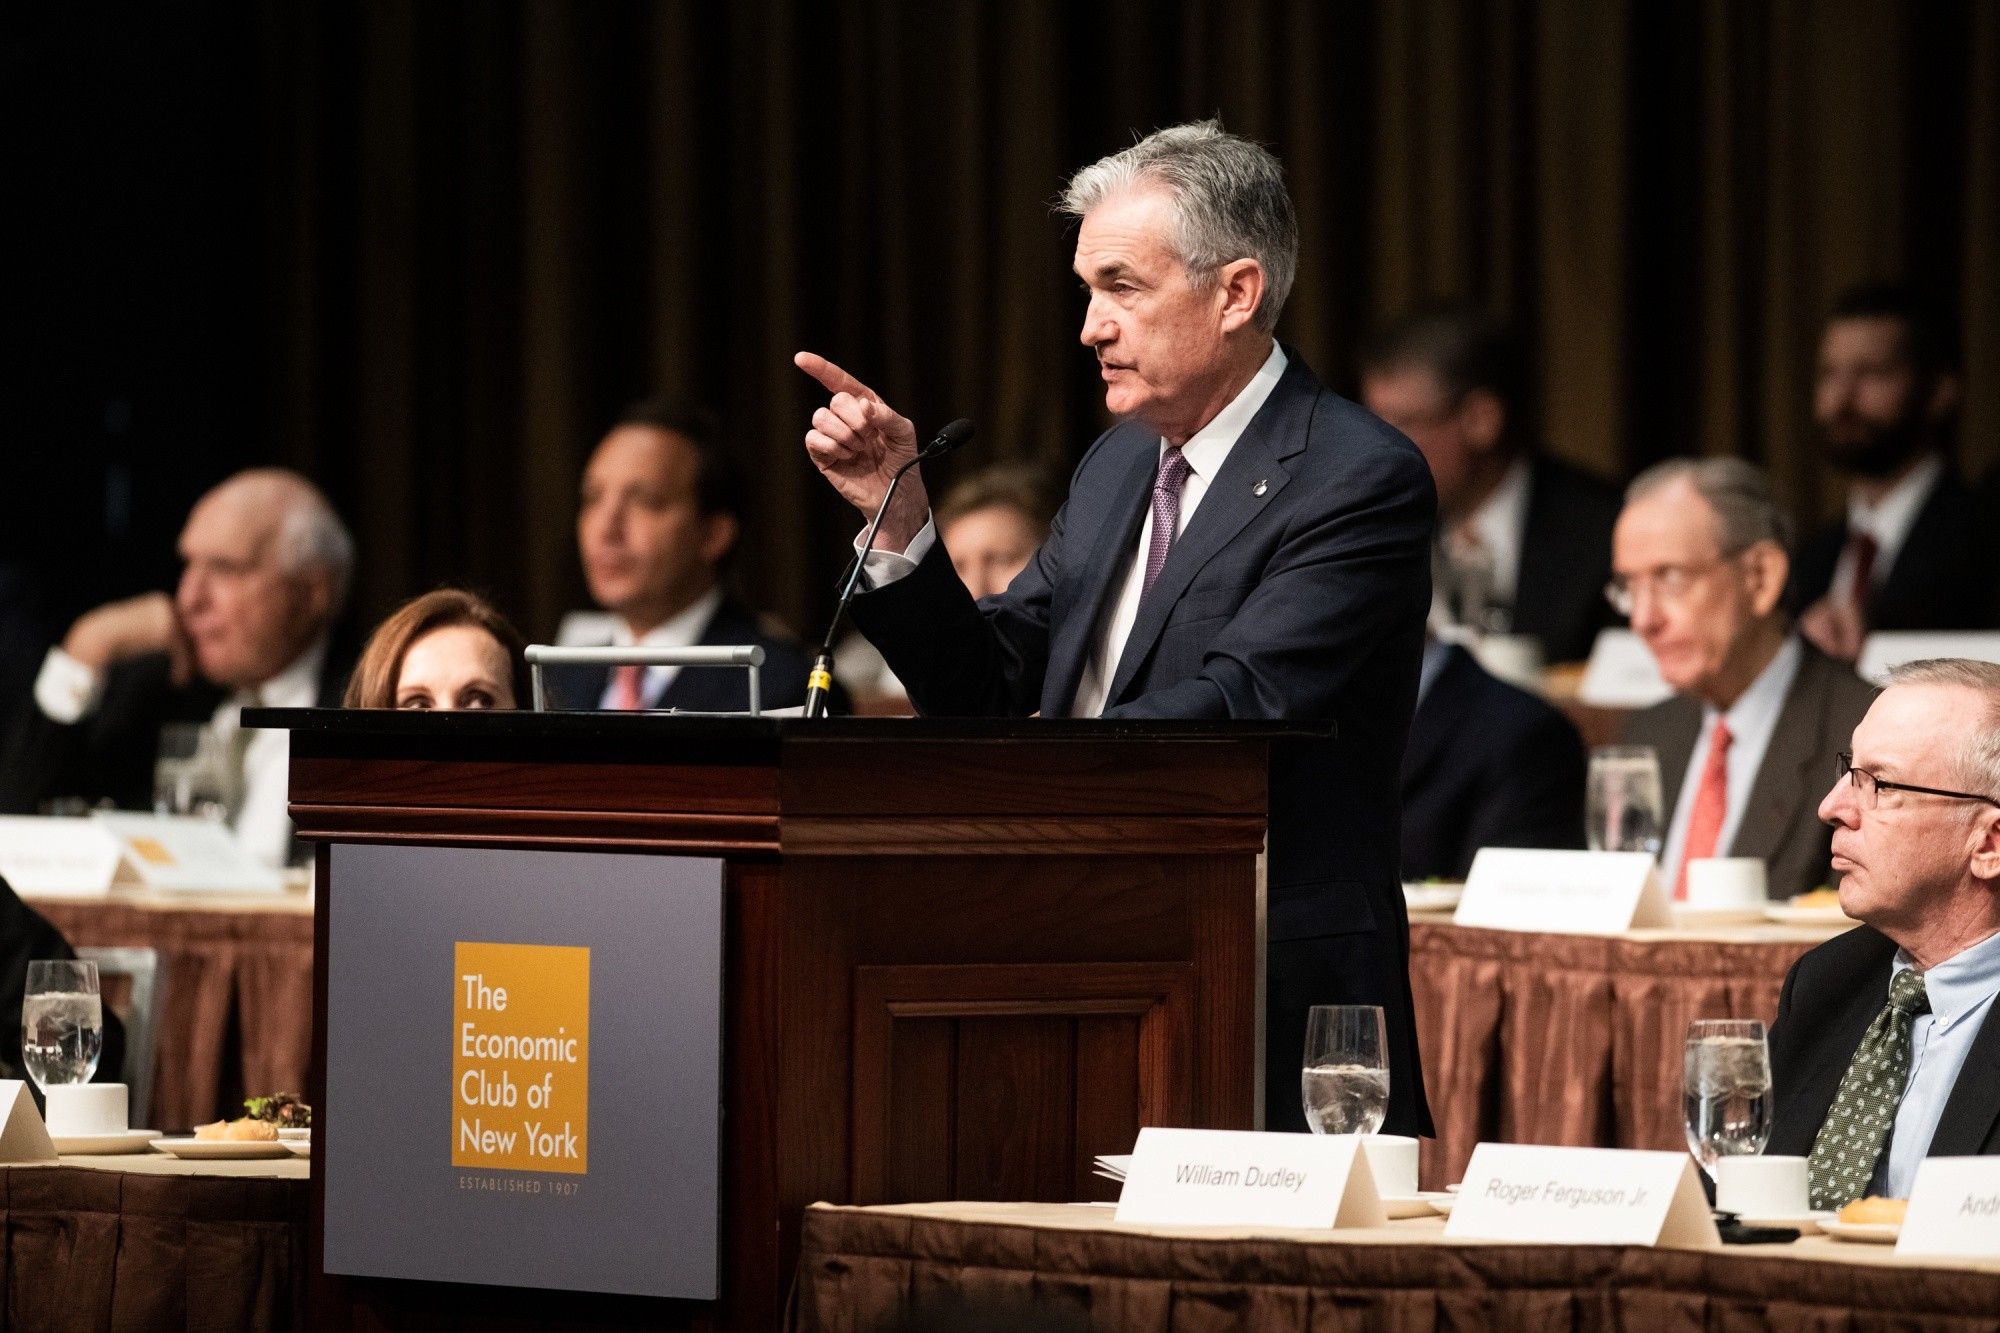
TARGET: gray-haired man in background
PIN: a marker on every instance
(1242, 544)
(1699, 565)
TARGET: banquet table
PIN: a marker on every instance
(1071, 1267)
(1576, 1039)
(147, 1241)
(235, 999)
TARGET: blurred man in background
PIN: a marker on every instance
(1699, 567)
(1915, 550)
(659, 517)
(267, 568)
(1524, 541)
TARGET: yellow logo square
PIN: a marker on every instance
(520, 1066)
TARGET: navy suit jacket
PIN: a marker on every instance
(1297, 591)
(1488, 765)
(781, 681)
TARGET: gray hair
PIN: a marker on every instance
(1229, 203)
(1980, 759)
(1746, 509)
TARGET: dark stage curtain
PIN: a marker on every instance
(476, 228)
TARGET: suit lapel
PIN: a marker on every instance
(1783, 786)
(1966, 1126)
(1841, 1023)
(1680, 728)
(1249, 479)
(1097, 580)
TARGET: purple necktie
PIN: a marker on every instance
(1166, 511)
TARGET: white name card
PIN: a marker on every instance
(23, 1136)
(1621, 673)
(1565, 893)
(1954, 1208)
(1219, 1178)
(1892, 648)
(57, 858)
(185, 853)
(1582, 1196)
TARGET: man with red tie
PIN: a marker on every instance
(1699, 567)
(655, 525)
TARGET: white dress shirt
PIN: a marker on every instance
(1498, 524)
(1960, 991)
(1888, 521)
(67, 691)
(682, 631)
(1752, 719)
(1205, 452)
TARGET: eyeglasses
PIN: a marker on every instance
(1669, 582)
(1867, 785)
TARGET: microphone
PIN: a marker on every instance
(820, 681)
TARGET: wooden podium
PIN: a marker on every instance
(961, 958)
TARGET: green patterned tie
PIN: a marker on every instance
(1850, 1142)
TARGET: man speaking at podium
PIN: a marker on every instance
(1242, 544)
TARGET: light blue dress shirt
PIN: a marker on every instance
(1752, 719)
(1960, 991)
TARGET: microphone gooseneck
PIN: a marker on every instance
(819, 682)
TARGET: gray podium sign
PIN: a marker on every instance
(524, 1068)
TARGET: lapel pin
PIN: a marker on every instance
(1258, 489)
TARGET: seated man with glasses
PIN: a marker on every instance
(1884, 1053)
(1699, 567)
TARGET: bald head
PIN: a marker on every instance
(267, 567)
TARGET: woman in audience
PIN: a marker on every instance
(446, 650)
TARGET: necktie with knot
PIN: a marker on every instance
(1711, 806)
(1166, 511)
(1864, 550)
(1850, 1143)
(627, 693)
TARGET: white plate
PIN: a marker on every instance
(1803, 1223)
(301, 1135)
(213, 1150)
(1787, 915)
(1872, 1233)
(1441, 1204)
(298, 1147)
(1420, 1204)
(1432, 897)
(85, 1145)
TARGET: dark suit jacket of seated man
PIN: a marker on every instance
(1297, 591)
(781, 682)
(1917, 840)
(1488, 765)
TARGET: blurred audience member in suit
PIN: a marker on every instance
(1915, 550)
(268, 565)
(1885, 1050)
(1488, 765)
(447, 650)
(659, 518)
(24, 634)
(25, 936)
(991, 522)
(1524, 541)
(1758, 714)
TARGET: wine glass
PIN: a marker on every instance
(1727, 1089)
(192, 774)
(62, 1022)
(1624, 799)
(1346, 1079)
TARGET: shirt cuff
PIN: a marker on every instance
(66, 690)
(881, 568)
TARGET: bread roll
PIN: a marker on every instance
(1875, 1211)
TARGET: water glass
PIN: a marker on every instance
(62, 1022)
(1624, 800)
(1346, 1079)
(193, 774)
(1727, 1089)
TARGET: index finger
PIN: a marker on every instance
(832, 377)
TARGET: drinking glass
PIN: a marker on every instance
(1727, 1089)
(62, 1022)
(193, 774)
(1346, 1078)
(1624, 799)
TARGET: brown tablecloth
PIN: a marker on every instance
(1573, 1039)
(1044, 1266)
(166, 1248)
(235, 1002)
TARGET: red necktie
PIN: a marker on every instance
(625, 696)
(1711, 806)
(1864, 549)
